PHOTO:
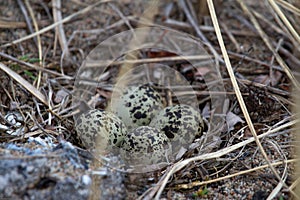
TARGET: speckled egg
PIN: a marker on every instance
(145, 146)
(137, 106)
(180, 123)
(101, 129)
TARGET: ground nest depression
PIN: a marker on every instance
(234, 139)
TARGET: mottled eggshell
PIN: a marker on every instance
(145, 146)
(180, 123)
(100, 129)
(137, 106)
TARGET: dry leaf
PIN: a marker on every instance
(232, 119)
(201, 71)
(60, 95)
(266, 79)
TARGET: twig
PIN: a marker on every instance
(231, 37)
(24, 83)
(262, 63)
(293, 59)
(59, 30)
(39, 43)
(193, 22)
(289, 7)
(288, 72)
(125, 19)
(4, 55)
(34, 133)
(11, 24)
(270, 24)
(184, 26)
(179, 165)
(236, 87)
(244, 21)
(27, 20)
(279, 186)
(138, 38)
(101, 63)
(46, 8)
(199, 183)
(269, 45)
(50, 97)
(48, 28)
(285, 21)
(271, 89)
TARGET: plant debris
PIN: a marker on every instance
(45, 43)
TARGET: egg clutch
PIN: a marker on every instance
(139, 127)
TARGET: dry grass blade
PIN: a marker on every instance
(231, 37)
(39, 43)
(34, 133)
(139, 37)
(225, 160)
(24, 83)
(25, 14)
(48, 28)
(103, 63)
(199, 183)
(11, 24)
(277, 28)
(184, 7)
(178, 166)
(236, 87)
(285, 20)
(122, 16)
(295, 184)
(32, 66)
(279, 186)
(269, 45)
(59, 28)
(287, 70)
(289, 7)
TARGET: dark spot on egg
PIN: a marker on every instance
(139, 115)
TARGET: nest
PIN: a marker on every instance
(234, 61)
